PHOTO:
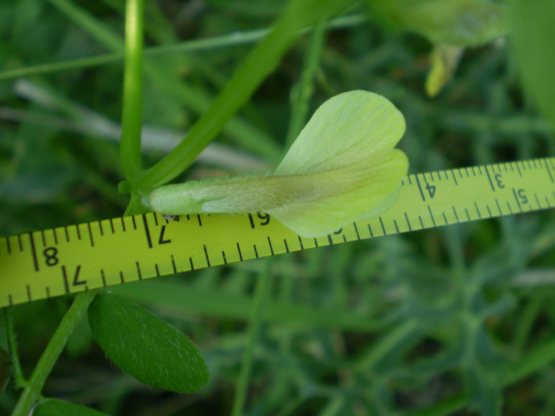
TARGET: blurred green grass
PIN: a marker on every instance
(431, 323)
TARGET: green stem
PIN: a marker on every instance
(254, 326)
(302, 92)
(390, 341)
(135, 206)
(531, 362)
(256, 67)
(86, 23)
(50, 355)
(198, 45)
(12, 348)
(130, 146)
(67, 65)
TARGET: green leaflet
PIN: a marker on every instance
(52, 407)
(342, 167)
(144, 346)
(452, 22)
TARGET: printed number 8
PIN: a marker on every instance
(51, 256)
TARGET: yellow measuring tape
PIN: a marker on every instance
(71, 259)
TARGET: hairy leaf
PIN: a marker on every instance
(146, 347)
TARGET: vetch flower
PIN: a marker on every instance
(453, 22)
(451, 25)
(342, 167)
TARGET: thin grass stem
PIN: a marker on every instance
(302, 92)
(19, 378)
(50, 355)
(197, 45)
(254, 327)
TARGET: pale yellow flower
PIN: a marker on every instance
(342, 167)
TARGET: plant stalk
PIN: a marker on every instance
(19, 378)
(303, 90)
(130, 146)
(196, 45)
(261, 290)
(50, 355)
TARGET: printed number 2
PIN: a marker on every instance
(262, 218)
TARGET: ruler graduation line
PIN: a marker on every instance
(70, 259)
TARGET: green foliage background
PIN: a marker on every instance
(430, 323)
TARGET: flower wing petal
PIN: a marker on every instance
(349, 194)
(349, 128)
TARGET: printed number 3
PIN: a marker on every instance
(499, 181)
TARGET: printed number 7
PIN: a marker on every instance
(431, 190)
